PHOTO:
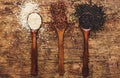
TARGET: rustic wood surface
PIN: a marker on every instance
(15, 44)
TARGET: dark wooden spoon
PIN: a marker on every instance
(85, 25)
(85, 69)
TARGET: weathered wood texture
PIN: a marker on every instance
(15, 44)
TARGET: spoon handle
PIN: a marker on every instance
(60, 53)
(34, 54)
(85, 69)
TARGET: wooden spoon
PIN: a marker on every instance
(85, 69)
(34, 22)
(60, 33)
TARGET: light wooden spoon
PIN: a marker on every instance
(34, 21)
(60, 33)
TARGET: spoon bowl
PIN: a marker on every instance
(34, 21)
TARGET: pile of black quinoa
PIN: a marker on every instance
(90, 16)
